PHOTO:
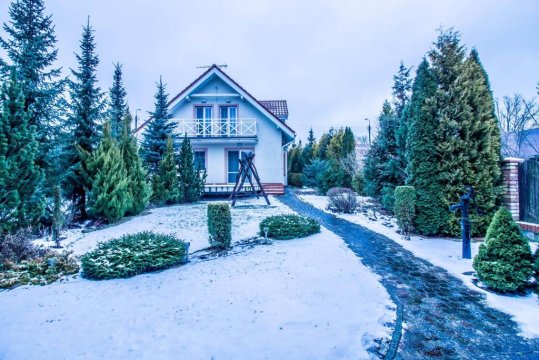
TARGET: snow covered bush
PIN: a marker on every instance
(40, 270)
(504, 261)
(405, 208)
(285, 227)
(219, 225)
(342, 200)
(134, 254)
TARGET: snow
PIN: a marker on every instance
(447, 254)
(307, 298)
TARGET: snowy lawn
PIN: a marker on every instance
(307, 298)
(447, 253)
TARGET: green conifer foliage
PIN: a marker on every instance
(295, 159)
(21, 196)
(86, 110)
(158, 130)
(341, 149)
(504, 261)
(118, 104)
(138, 186)
(422, 154)
(31, 46)
(308, 151)
(110, 197)
(191, 180)
(166, 184)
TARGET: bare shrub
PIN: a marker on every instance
(18, 246)
(342, 200)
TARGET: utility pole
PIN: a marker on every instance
(136, 118)
(369, 129)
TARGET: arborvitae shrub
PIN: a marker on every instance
(504, 261)
(134, 254)
(342, 200)
(295, 179)
(286, 227)
(219, 225)
(358, 183)
(405, 208)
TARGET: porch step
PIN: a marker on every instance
(273, 189)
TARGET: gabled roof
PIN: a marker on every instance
(214, 69)
(278, 108)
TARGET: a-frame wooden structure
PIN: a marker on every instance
(247, 171)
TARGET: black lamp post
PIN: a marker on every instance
(369, 129)
(136, 118)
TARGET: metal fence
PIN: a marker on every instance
(528, 184)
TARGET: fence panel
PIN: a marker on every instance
(528, 185)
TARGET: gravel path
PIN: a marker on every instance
(442, 317)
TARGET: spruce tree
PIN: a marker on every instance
(31, 48)
(21, 197)
(308, 151)
(192, 181)
(422, 153)
(295, 159)
(86, 109)
(382, 172)
(158, 130)
(401, 96)
(118, 104)
(139, 188)
(504, 261)
(166, 185)
(320, 151)
(110, 196)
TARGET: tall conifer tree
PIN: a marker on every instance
(118, 103)
(21, 196)
(191, 179)
(167, 188)
(401, 96)
(31, 48)
(86, 110)
(158, 130)
(139, 188)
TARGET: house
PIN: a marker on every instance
(223, 120)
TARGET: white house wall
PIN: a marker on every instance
(268, 148)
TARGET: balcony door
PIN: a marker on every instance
(229, 120)
(203, 117)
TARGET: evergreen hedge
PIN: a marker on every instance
(295, 179)
(504, 261)
(286, 227)
(405, 198)
(132, 255)
(219, 225)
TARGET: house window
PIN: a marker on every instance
(233, 164)
(203, 116)
(228, 121)
(200, 159)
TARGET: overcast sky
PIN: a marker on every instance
(332, 60)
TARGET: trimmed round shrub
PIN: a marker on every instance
(405, 208)
(134, 254)
(219, 225)
(342, 200)
(504, 261)
(286, 227)
(296, 179)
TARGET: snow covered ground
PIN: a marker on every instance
(446, 253)
(308, 298)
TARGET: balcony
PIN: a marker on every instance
(217, 128)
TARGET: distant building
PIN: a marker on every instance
(223, 120)
(362, 148)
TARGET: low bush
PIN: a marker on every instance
(38, 271)
(342, 200)
(18, 246)
(134, 254)
(219, 225)
(388, 199)
(295, 179)
(504, 261)
(405, 208)
(358, 183)
(285, 227)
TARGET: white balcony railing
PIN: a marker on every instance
(242, 127)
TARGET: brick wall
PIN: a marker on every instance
(510, 185)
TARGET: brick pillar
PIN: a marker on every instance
(510, 185)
